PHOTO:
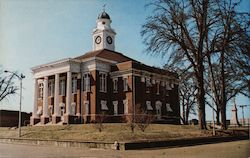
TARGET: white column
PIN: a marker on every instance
(45, 97)
(69, 93)
(56, 96)
(34, 114)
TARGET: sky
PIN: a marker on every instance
(34, 32)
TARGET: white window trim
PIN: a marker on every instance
(74, 84)
(168, 86)
(162, 83)
(153, 81)
(73, 108)
(115, 103)
(158, 105)
(148, 84)
(40, 90)
(104, 105)
(86, 82)
(86, 105)
(157, 87)
(103, 84)
(172, 85)
(148, 104)
(115, 85)
(51, 87)
(125, 84)
(125, 103)
(168, 108)
(62, 88)
(143, 79)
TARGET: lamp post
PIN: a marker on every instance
(20, 77)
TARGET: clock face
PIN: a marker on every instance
(109, 40)
(98, 40)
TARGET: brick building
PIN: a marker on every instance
(9, 118)
(102, 81)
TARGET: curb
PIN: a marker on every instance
(182, 142)
(125, 145)
(62, 143)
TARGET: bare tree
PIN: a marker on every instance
(98, 123)
(130, 120)
(189, 32)
(180, 26)
(228, 56)
(7, 87)
(142, 118)
(188, 92)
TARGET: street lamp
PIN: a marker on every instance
(20, 77)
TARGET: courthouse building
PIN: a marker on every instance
(77, 90)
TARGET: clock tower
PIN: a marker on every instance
(103, 34)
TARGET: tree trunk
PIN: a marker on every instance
(201, 97)
(217, 117)
(183, 111)
(187, 115)
(223, 95)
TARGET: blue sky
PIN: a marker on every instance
(34, 32)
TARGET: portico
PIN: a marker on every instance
(50, 82)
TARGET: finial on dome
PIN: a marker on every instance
(103, 7)
(103, 15)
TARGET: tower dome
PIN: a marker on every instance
(103, 15)
(103, 34)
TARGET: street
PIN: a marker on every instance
(239, 149)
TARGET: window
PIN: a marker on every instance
(158, 87)
(172, 85)
(104, 105)
(169, 109)
(149, 107)
(40, 95)
(86, 82)
(148, 85)
(51, 88)
(73, 108)
(158, 105)
(125, 84)
(115, 85)
(74, 84)
(103, 82)
(62, 86)
(168, 86)
(115, 103)
(125, 103)
(86, 103)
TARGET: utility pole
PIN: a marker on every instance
(243, 118)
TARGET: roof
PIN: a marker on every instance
(122, 59)
(103, 15)
(106, 54)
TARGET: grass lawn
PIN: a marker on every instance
(110, 133)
